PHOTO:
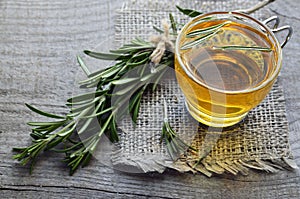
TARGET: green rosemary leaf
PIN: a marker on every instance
(83, 66)
(73, 158)
(128, 49)
(170, 149)
(109, 72)
(96, 72)
(45, 127)
(158, 29)
(65, 150)
(156, 82)
(137, 63)
(124, 81)
(88, 121)
(135, 98)
(67, 130)
(54, 142)
(114, 132)
(189, 12)
(79, 103)
(86, 160)
(134, 103)
(141, 42)
(136, 109)
(206, 30)
(173, 23)
(98, 77)
(126, 89)
(44, 113)
(198, 41)
(48, 129)
(257, 48)
(25, 161)
(37, 135)
(141, 55)
(146, 77)
(87, 105)
(45, 123)
(86, 96)
(98, 114)
(103, 56)
(76, 162)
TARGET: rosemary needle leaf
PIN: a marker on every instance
(47, 124)
(134, 99)
(83, 66)
(96, 72)
(206, 30)
(109, 72)
(137, 105)
(125, 90)
(128, 49)
(141, 42)
(137, 63)
(257, 48)
(103, 56)
(173, 23)
(86, 160)
(98, 113)
(142, 55)
(198, 41)
(124, 81)
(158, 29)
(189, 12)
(114, 132)
(86, 97)
(44, 113)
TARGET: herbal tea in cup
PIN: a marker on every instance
(226, 64)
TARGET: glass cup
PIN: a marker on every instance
(226, 63)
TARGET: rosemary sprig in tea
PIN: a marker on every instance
(201, 35)
(255, 48)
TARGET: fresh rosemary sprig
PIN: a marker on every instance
(125, 81)
(175, 145)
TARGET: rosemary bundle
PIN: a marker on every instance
(138, 68)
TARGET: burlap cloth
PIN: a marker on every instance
(261, 142)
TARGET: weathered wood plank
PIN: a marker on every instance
(38, 44)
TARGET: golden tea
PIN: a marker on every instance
(227, 73)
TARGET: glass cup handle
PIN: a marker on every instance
(275, 29)
(273, 18)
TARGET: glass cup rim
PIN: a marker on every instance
(278, 48)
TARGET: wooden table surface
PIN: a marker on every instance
(38, 44)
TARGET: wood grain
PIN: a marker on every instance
(38, 44)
